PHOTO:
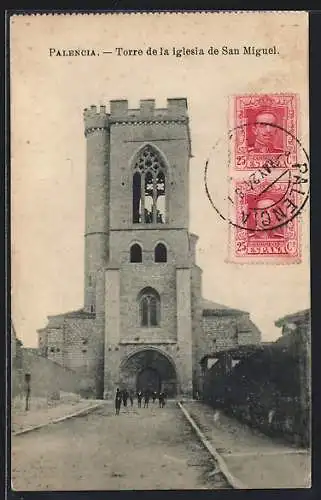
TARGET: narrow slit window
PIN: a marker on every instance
(144, 311)
(137, 197)
(160, 198)
(153, 311)
(149, 191)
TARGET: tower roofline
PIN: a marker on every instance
(97, 118)
(176, 110)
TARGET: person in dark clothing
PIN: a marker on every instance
(154, 396)
(131, 398)
(125, 397)
(146, 399)
(161, 399)
(164, 398)
(118, 399)
(139, 398)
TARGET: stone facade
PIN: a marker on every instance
(143, 313)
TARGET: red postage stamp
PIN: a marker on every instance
(265, 126)
(266, 226)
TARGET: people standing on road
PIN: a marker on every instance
(139, 398)
(146, 399)
(131, 398)
(154, 396)
(125, 397)
(118, 399)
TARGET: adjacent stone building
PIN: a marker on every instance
(298, 323)
(296, 335)
(144, 323)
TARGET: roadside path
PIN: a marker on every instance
(23, 421)
(258, 461)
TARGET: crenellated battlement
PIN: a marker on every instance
(95, 118)
(176, 111)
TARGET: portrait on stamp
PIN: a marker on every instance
(160, 256)
(264, 132)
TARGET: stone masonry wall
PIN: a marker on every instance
(223, 332)
(219, 333)
(84, 353)
(248, 333)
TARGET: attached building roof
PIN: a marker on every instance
(214, 309)
(79, 313)
(57, 320)
(293, 318)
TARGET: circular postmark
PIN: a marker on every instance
(259, 188)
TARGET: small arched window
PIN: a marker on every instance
(160, 253)
(135, 253)
(149, 307)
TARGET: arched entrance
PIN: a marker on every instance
(149, 379)
(149, 369)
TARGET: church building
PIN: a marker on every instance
(144, 324)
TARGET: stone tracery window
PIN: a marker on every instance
(149, 188)
(149, 307)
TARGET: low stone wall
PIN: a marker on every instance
(47, 378)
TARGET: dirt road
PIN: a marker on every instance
(146, 448)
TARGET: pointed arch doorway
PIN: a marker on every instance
(149, 369)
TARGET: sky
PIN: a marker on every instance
(48, 163)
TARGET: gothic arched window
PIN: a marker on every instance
(149, 307)
(149, 186)
(160, 253)
(135, 253)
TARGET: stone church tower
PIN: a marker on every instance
(139, 256)
(144, 323)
